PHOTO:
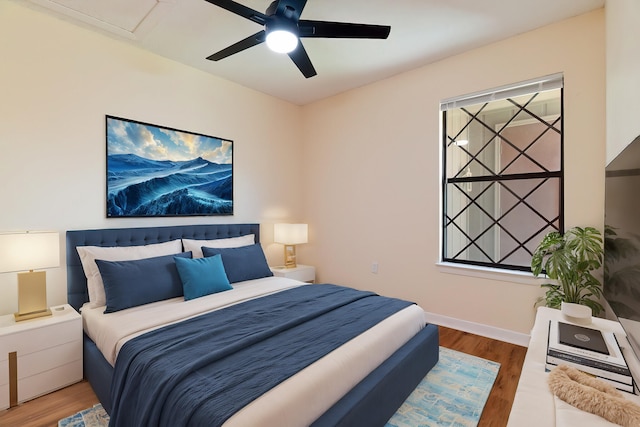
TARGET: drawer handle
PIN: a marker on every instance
(13, 379)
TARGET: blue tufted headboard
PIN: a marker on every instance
(77, 282)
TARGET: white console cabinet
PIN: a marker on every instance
(534, 404)
(40, 355)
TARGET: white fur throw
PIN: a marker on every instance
(592, 395)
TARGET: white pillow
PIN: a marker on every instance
(89, 254)
(195, 246)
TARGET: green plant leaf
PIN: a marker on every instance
(586, 245)
(569, 259)
(550, 244)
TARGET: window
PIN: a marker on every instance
(502, 173)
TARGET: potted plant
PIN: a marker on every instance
(569, 260)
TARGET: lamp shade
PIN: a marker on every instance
(290, 234)
(22, 251)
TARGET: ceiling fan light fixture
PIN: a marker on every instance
(282, 41)
(283, 31)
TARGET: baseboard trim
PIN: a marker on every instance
(492, 332)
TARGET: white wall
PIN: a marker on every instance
(370, 158)
(373, 170)
(623, 74)
(57, 82)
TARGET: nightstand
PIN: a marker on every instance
(40, 355)
(304, 273)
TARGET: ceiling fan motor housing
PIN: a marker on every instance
(278, 23)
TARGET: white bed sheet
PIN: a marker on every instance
(111, 331)
(297, 401)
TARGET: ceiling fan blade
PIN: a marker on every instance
(250, 41)
(342, 30)
(241, 10)
(301, 59)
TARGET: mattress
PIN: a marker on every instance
(292, 402)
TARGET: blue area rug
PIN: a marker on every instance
(452, 394)
(95, 416)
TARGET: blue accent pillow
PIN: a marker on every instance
(132, 283)
(243, 263)
(202, 276)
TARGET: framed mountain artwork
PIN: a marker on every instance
(155, 171)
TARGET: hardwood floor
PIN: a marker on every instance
(510, 357)
(47, 410)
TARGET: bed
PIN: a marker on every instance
(361, 382)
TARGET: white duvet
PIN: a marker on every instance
(297, 401)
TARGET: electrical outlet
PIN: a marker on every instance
(374, 267)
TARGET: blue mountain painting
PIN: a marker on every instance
(141, 187)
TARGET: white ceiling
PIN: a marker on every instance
(422, 31)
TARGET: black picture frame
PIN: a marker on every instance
(158, 171)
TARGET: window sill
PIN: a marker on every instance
(521, 277)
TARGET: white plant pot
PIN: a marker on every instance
(576, 313)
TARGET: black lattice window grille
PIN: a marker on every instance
(503, 178)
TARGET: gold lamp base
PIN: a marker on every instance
(290, 256)
(32, 296)
(26, 316)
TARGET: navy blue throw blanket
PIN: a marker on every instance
(203, 370)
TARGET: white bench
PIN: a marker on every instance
(534, 404)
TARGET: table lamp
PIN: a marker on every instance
(290, 235)
(24, 252)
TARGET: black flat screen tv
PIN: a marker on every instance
(622, 241)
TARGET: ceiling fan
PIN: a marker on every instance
(283, 28)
